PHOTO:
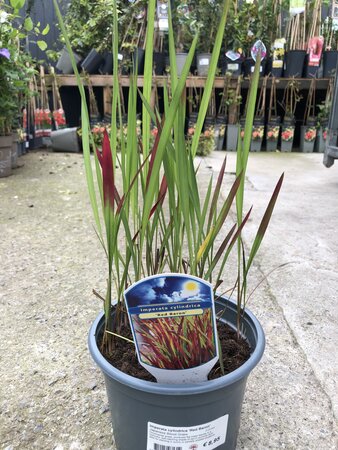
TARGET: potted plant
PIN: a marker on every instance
(273, 125)
(15, 72)
(290, 100)
(259, 120)
(296, 41)
(163, 179)
(330, 54)
(221, 118)
(308, 131)
(207, 16)
(323, 119)
(89, 26)
(233, 102)
(184, 27)
(257, 133)
(315, 41)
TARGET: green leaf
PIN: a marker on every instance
(17, 4)
(211, 77)
(42, 45)
(28, 24)
(45, 30)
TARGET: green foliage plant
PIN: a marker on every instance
(16, 65)
(160, 221)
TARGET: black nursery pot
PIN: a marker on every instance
(92, 62)
(276, 72)
(294, 63)
(138, 60)
(159, 63)
(107, 65)
(249, 67)
(275, 120)
(227, 65)
(330, 60)
(288, 121)
(310, 71)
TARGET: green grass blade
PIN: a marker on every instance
(211, 77)
(148, 75)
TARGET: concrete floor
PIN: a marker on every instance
(51, 394)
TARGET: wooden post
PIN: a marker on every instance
(107, 100)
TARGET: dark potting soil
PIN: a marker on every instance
(235, 352)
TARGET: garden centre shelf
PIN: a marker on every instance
(192, 81)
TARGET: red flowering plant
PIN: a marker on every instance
(272, 133)
(310, 134)
(59, 118)
(288, 133)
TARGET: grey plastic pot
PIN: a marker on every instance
(135, 403)
(232, 137)
(65, 140)
(320, 141)
(203, 64)
(305, 146)
(256, 145)
(14, 153)
(286, 146)
(64, 63)
(5, 156)
(180, 61)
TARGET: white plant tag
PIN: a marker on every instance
(119, 57)
(173, 321)
(204, 62)
(233, 67)
(205, 436)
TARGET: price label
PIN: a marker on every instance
(208, 436)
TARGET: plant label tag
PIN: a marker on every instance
(162, 15)
(204, 436)
(315, 49)
(173, 321)
(233, 67)
(233, 55)
(204, 62)
(257, 48)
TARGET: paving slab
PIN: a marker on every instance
(51, 394)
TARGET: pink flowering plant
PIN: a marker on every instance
(257, 132)
(310, 134)
(272, 133)
(288, 133)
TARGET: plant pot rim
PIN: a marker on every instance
(181, 389)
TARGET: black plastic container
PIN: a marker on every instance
(276, 72)
(310, 71)
(249, 67)
(138, 60)
(227, 65)
(92, 62)
(330, 60)
(159, 63)
(107, 65)
(294, 63)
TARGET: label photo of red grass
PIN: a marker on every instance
(173, 321)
